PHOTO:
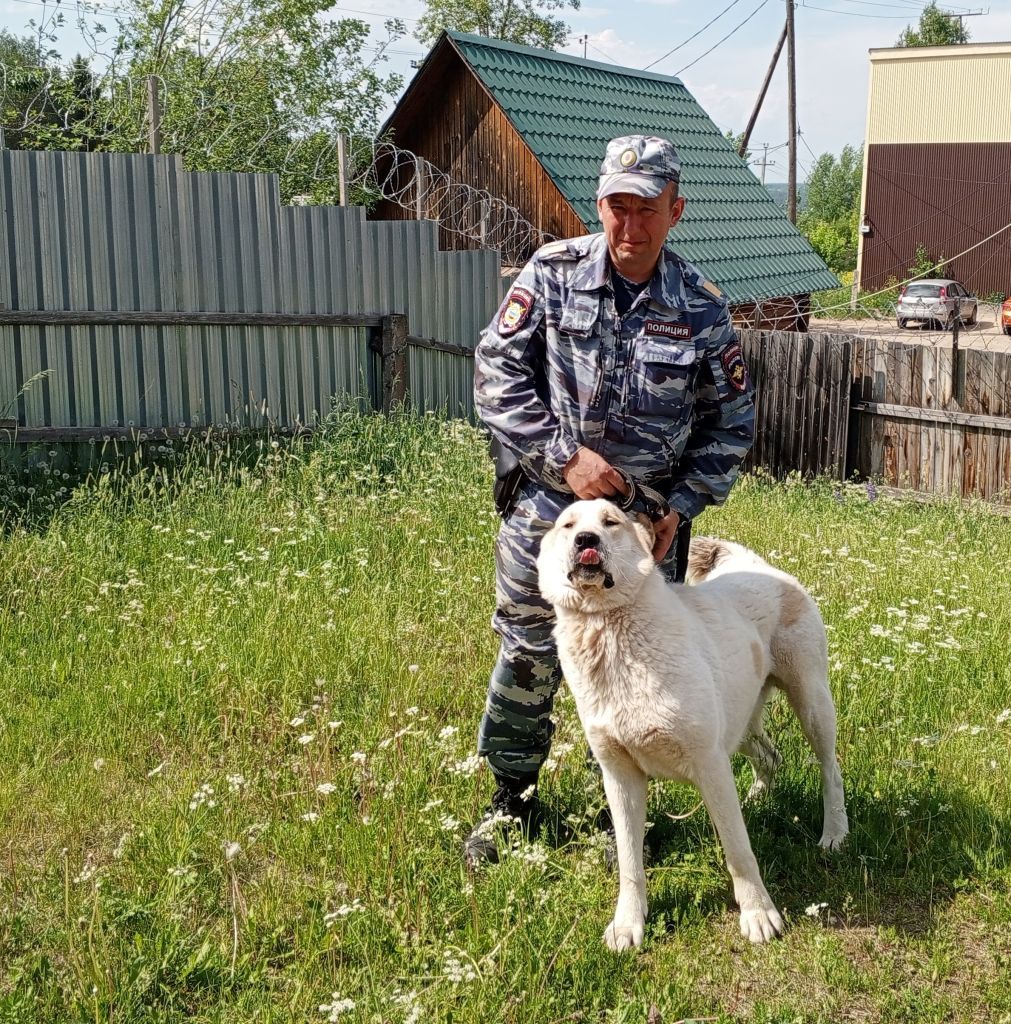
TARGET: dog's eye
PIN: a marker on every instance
(611, 522)
(567, 526)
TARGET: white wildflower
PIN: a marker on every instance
(926, 741)
(345, 910)
(456, 970)
(336, 1007)
(232, 850)
(310, 816)
(326, 788)
(468, 766)
(815, 909)
(203, 797)
(307, 738)
(1004, 716)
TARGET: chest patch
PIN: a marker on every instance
(734, 367)
(682, 332)
(516, 312)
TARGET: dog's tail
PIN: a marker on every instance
(704, 554)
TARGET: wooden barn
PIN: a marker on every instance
(529, 126)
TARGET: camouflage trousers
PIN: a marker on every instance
(516, 729)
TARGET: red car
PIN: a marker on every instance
(1005, 315)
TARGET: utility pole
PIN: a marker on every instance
(765, 161)
(584, 39)
(791, 99)
(746, 138)
(962, 14)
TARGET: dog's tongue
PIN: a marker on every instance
(589, 556)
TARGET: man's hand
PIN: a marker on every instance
(591, 476)
(663, 535)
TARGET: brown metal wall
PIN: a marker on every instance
(473, 142)
(947, 197)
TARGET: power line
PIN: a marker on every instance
(800, 134)
(858, 14)
(691, 37)
(597, 49)
(913, 8)
(723, 40)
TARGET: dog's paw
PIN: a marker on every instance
(832, 839)
(762, 924)
(618, 937)
(759, 789)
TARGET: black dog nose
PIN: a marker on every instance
(586, 540)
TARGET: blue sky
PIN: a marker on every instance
(833, 37)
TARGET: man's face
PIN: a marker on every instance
(635, 229)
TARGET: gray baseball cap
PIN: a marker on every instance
(639, 164)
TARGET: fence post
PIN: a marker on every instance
(957, 360)
(394, 360)
(419, 187)
(342, 179)
(153, 115)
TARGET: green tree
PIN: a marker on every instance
(735, 139)
(935, 29)
(528, 22)
(244, 86)
(830, 220)
(833, 187)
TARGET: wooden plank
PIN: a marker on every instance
(1001, 424)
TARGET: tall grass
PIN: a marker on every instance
(240, 692)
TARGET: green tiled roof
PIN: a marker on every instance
(567, 109)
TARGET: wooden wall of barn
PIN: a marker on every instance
(473, 141)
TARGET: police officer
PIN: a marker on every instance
(609, 353)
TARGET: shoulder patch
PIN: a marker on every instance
(734, 367)
(552, 250)
(711, 288)
(515, 310)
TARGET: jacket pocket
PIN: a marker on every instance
(666, 379)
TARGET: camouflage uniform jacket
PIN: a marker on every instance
(662, 393)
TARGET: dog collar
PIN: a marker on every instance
(641, 498)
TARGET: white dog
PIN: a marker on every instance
(670, 681)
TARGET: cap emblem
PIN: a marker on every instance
(629, 157)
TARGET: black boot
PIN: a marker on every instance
(514, 806)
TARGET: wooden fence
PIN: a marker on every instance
(931, 418)
(802, 389)
(922, 417)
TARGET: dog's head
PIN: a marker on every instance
(595, 557)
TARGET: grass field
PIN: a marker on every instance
(236, 763)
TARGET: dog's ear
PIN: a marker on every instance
(644, 529)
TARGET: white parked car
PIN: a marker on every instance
(935, 301)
